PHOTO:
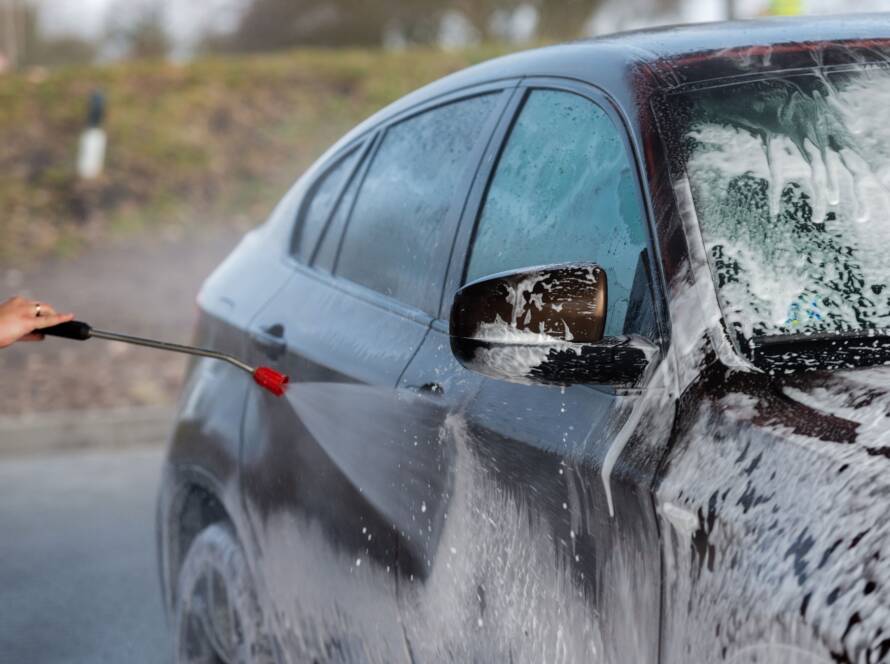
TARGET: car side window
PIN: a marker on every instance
(397, 239)
(326, 254)
(564, 190)
(321, 200)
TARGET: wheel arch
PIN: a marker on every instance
(187, 505)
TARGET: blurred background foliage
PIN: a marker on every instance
(219, 138)
(215, 107)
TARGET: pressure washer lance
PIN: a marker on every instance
(272, 380)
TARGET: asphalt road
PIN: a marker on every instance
(78, 569)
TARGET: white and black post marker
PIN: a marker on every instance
(91, 154)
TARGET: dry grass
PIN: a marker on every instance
(214, 141)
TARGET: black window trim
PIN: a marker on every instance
(504, 89)
(473, 208)
(359, 146)
(358, 174)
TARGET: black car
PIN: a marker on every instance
(586, 351)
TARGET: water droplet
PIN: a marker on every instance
(358, 562)
(423, 507)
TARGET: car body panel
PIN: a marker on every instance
(204, 451)
(787, 544)
(714, 514)
(336, 443)
(527, 564)
(527, 549)
(318, 474)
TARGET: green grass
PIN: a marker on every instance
(213, 141)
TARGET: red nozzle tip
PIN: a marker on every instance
(272, 380)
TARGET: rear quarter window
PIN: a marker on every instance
(320, 202)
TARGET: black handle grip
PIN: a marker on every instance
(73, 329)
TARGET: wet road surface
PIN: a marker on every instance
(78, 568)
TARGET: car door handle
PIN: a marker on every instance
(270, 340)
(433, 389)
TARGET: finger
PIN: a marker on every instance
(46, 310)
(32, 336)
(49, 321)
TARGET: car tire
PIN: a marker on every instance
(217, 615)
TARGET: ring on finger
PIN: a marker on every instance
(37, 309)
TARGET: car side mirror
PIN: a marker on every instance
(544, 325)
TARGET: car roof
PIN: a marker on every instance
(675, 47)
(671, 57)
(675, 44)
(676, 41)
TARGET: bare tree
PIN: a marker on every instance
(36, 48)
(13, 17)
(275, 24)
(730, 10)
(564, 19)
(138, 29)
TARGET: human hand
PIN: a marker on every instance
(20, 318)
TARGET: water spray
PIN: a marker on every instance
(274, 381)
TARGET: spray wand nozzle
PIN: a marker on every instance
(272, 380)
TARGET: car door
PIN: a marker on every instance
(541, 542)
(320, 466)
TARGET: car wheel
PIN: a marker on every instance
(218, 619)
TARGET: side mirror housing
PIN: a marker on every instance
(544, 325)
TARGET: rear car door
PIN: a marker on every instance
(541, 540)
(320, 466)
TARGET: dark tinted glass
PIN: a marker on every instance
(330, 240)
(564, 190)
(321, 201)
(397, 232)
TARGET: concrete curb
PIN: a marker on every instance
(37, 433)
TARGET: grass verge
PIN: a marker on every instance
(213, 141)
